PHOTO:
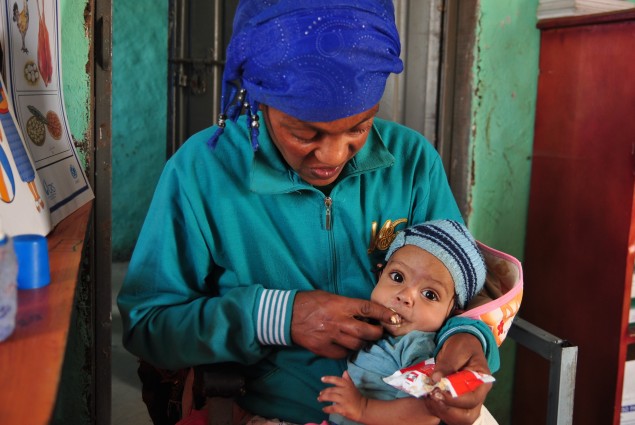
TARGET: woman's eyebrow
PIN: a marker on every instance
(298, 125)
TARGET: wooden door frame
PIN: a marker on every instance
(455, 97)
(100, 257)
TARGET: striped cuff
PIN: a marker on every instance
(274, 317)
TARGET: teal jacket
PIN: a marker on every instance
(231, 235)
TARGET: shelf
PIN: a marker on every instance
(31, 358)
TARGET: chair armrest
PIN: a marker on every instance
(562, 357)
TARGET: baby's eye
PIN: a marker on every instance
(427, 293)
(396, 276)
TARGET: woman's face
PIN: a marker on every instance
(418, 287)
(318, 151)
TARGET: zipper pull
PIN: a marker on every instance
(328, 202)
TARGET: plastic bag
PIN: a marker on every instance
(416, 380)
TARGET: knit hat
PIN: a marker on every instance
(316, 60)
(454, 246)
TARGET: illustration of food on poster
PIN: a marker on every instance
(30, 42)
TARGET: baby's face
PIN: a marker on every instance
(417, 286)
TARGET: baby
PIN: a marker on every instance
(433, 270)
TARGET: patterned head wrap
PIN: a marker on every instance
(454, 246)
(316, 60)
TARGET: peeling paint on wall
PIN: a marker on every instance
(76, 81)
(74, 396)
(503, 110)
(506, 74)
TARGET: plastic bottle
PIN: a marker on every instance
(8, 285)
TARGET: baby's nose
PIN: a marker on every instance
(404, 298)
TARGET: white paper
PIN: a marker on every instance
(32, 71)
(627, 416)
(23, 206)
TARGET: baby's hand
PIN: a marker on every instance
(347, 400)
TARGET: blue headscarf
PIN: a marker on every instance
(316, 60)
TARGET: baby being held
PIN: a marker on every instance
(433, 270)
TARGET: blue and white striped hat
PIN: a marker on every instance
(454, 246)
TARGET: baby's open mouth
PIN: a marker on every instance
(395, 319)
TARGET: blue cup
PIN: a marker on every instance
(33, 261)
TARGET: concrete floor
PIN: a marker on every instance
(127, 406)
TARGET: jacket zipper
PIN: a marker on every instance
(327, 203)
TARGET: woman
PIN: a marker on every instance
(263, 233)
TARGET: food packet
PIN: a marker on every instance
(416, 380)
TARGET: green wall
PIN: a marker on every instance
(75, 80)
(139, 114)
(74, 397)
(505, 77)
(503, 110)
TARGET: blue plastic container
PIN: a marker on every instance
(33, 261)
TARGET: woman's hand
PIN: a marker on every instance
(332, 326)
(460, 351)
